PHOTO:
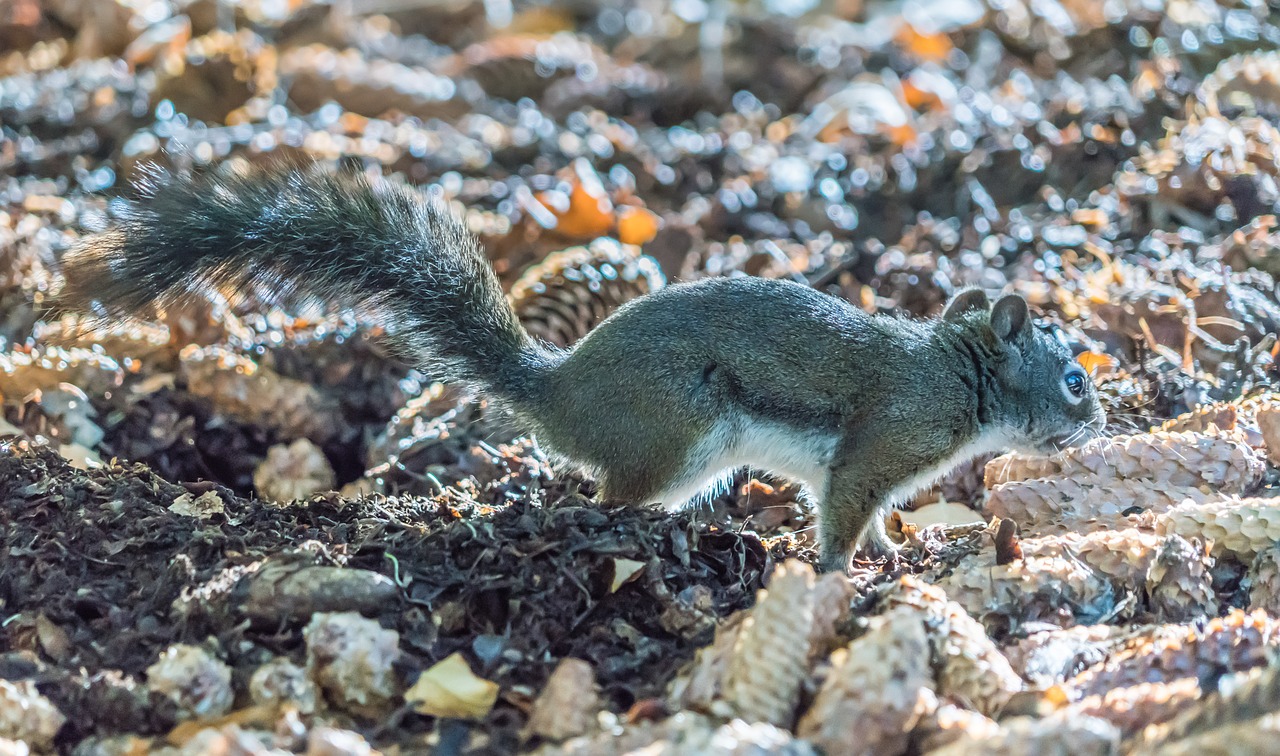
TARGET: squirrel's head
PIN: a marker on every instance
(1042, 397)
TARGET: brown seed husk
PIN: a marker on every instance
(568, 705)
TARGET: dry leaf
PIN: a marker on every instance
(941, 513)
(587, 211)
(1097, 364)
(624, 571)
(203, 507)
(79, 456)
(636, 225)
(451, 689)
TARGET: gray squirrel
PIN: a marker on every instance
(667, 396)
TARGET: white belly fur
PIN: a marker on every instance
(803, 456)
(984, 444)
(746, 441)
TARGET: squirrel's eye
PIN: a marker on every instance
(1073, 385)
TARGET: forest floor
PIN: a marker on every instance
(236, 527)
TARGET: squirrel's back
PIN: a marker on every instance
(286, 231)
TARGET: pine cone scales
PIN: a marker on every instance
(763, 677)
(1245, 738)
(1180, 582)
(566, 295)
(1137, 706)
(238, 387)
(1083, 503)
(1236, 642)
(1216, 458)
(1219, 416)
(1268, 418)
(1264, 581)
(1123, 555)
(1050, 588)
(969, 666)
(877, 690)
(26, 715)
(1236, 527)
(568, 704)
(1058, 733)
(22, 372)
(684, 733)
(1239, 718)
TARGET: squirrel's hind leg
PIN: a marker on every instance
(705, 472)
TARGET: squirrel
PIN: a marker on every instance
(666, 397)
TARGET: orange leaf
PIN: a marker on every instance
(931, 47)
(1096, 363)
(901, 135)
(636, 225)
(588, 212)
(919, 99)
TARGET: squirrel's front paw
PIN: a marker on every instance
(834, 561)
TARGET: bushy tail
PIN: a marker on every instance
(300, 232)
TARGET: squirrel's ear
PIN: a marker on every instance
(1010, 317)
(966, 301)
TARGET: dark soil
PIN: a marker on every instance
(103, 576)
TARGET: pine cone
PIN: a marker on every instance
(239, 387)
(1084, 503)
(1264, 581)
(22, 372)
(1233, 643)
(876, 691)
(1219, 415)
(1235, 527)
(1180, 581)
(566, 295)
(293, 471)
(568, 705)
(1216, 458)
(1058, 734)
(1053, 588)
(969, 666)
(763, 676)
(1240, 719)
(27, 716)
(1137, 706)
(684, 733)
